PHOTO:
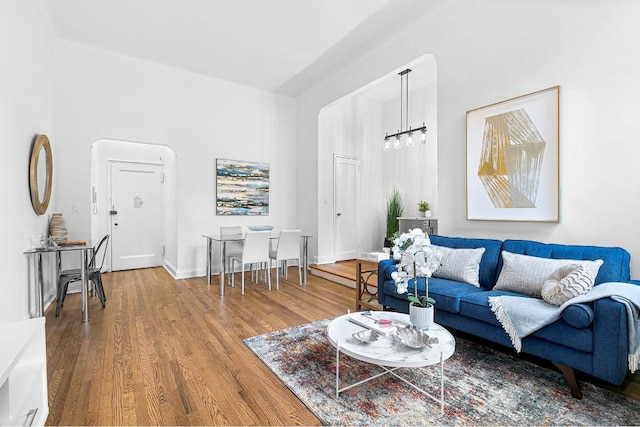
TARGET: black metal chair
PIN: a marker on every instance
(94, 275)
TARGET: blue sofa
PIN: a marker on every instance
(590, 338)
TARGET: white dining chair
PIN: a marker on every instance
(231, 248)
(288, 249)
(254, 251)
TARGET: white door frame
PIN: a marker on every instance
(111, 162)
(356, 162)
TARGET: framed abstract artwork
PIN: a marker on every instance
(513, 159)
(242, 188)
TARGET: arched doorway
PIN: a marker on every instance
(116, 165)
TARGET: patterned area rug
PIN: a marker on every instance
(482, 387)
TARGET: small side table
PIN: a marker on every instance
(365, 271)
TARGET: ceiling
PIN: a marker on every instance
(285, 46)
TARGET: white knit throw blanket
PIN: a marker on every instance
(521, 316)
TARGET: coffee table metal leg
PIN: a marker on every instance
(337, 370)
(390, 371)
(441, 385)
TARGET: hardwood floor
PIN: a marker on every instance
(167, 352)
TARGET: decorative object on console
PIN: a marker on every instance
(417, 258)
(242, 188)
(513, 159)
(58, 228)
(41, 174)
(404, 114)
(423, 208)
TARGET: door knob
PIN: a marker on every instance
(339, 213)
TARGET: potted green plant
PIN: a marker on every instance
(423, 208)
(395, 209)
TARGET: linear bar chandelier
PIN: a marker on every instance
(404, 118)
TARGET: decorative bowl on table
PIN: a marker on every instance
(365, 336)
(260, 227)
(415, 338)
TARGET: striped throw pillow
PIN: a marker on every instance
(567, 282)
(526, 274)
(462, 265)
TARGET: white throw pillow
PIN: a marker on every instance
(567, 282)
(526, 274)
(462, 265)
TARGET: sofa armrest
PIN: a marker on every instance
(610, 340)
(385, 268)
(635, 282)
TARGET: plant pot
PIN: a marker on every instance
(427, 214)
(421, 317)
(422, 214)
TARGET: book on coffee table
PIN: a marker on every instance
(369, 322)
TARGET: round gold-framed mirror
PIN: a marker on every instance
(41, 174)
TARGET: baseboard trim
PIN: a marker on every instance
(334, 278)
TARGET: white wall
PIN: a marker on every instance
(494, 50)
(25, 110)
(103, 95)
(355, 126)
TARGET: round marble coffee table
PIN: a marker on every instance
(388, 351)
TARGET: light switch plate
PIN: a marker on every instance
(75, 209)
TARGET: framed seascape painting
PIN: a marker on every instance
(513, 159)
(242, 188)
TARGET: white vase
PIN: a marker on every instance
(421, 317)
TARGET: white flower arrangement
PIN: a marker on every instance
(416, 258)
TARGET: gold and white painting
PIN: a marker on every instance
(242, 188)
(513, 159)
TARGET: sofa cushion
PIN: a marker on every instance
(462, 265)
(526, 274)
(578, 315)
(614, 269)
(448, 293)
(490, 258)
(567, 282)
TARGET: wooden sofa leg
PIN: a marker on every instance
(570, 376)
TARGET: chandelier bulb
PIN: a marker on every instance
(396, 143)
(423, 136)
(410, 139)
(386, 145)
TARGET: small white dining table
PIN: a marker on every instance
(222, 241)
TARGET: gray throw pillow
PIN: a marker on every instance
(462, 265)
(526, 274)
(567, 282)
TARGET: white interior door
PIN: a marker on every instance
(346, 183)
(136, 215)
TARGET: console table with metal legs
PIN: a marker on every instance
(86, 252)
